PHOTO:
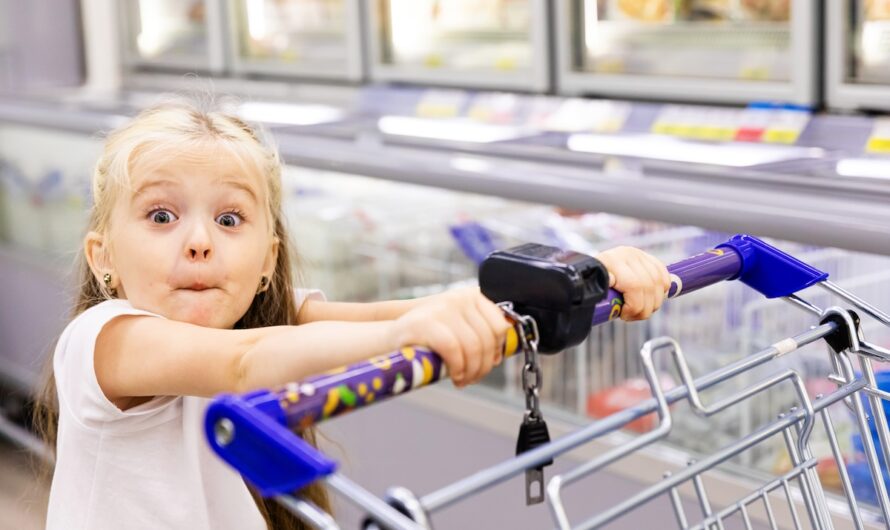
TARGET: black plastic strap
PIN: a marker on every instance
(840, 339)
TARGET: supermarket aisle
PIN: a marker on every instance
(22, 502)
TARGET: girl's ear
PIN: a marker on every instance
(271, 258)
(98, 256)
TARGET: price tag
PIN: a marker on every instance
(494, 108)
(700, 123)
(433, 60)
(590, 115)
(754, 121)
(441, 104)
(879, 142)
(786, 125)
(757, 123)
(541, 108)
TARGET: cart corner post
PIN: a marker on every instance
(770, 271)
(258, 444)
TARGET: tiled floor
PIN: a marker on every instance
(22, 499)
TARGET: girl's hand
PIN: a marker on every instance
(641, 278)
(464, 327)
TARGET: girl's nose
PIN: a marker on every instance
(198, 247)
(199, 254)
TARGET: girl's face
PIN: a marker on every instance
(191, 239)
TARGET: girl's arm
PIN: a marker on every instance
(143, 356)
(642, 278)
(140, 356)
(316, 310)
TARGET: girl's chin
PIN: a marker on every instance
(200, 310)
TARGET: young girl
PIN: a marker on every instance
(187, 292)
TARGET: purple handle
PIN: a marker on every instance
(327, 395)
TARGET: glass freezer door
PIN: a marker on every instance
(310, 38)
(858, 54)
(472, 43)
(707, 50)
(871, 52)
(174, 34)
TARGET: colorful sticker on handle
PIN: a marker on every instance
(345, 389)
(617, 305)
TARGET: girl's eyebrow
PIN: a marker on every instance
(152, 184)
(240, 184)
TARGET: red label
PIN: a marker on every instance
(749, 135)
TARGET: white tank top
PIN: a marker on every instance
(147, 467)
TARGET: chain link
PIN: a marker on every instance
(527, 331)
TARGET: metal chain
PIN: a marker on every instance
(527, 331)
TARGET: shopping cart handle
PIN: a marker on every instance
(770, 271)
(267, 415)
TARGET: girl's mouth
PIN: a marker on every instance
(197, 286)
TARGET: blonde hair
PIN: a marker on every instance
(181, 126)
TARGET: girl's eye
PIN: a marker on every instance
(162, 217)
(229, 220)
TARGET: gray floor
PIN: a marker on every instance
(22, 499)
(398, 443)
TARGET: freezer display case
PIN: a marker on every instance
(729, 51)
(470, 43)
(173, 35)
(858, 54)
(296, 38)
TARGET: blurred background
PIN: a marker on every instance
(419, 135)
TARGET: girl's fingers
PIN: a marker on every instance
(445, 343)
(638, 296)
(664, 274)
(641, 278)
(497, 323)
(486, 338)
(657, 285)
(471, 349)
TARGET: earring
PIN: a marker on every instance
(264, 282)
(107, 279)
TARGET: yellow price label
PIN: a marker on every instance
(687, 131)
(433, 60)
(505, 63)
(781, 136)
(877, 144)
(754, 74)
(716, 133)
(480, 113)
(436, 110)
(660, 128)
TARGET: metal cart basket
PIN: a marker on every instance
(255, 432)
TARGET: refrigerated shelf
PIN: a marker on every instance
(173, 35)
(714, 51)
(308, 39)
(490, 44)
(857, 56)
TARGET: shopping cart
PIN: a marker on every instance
(255, 432)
